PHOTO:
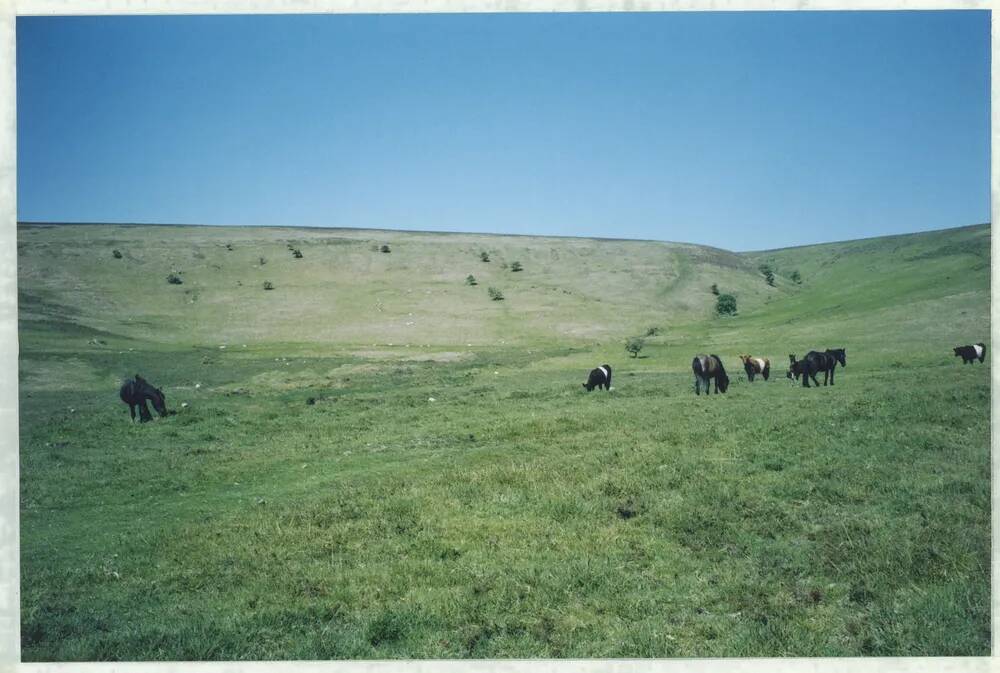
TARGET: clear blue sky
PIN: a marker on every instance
(740, 130)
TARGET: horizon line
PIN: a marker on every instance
(486, 233)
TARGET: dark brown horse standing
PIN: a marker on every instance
(135, 392)
(706, 368)
(754, 366)
(815, 362)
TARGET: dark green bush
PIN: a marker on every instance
(725, 304)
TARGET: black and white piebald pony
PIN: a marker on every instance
(815, 362)
(599, 377)
(970, 353)
(135, 392)
(706, 368)
(754, 366)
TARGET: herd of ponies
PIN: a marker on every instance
(137, 391)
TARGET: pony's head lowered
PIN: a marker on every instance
(794, 368)
(155, 395)
(721, 377)
(840, 354)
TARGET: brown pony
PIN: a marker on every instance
(707, 367)
(754, 366)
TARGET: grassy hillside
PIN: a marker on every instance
(452, 491)
(343, 290)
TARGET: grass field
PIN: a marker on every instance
(452, 491)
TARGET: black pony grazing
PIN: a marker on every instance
(795, 367)
(707, 367)
(599, 377)
(135, 392)
(815, 362)
(970, 353)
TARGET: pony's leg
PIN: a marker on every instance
(697, 385)
(131, 410)
(805, 377)
(832, 370)
(144, 414)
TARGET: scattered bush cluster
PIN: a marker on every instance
(471, 280)
(174, 279)
(652, 331)
(268, 285)
(117, 254)
(385, 248)
(715, 289)
(296, 253)
(796, 277)
(485, 256)
(495, 294)
(516, 266)
(768, 273)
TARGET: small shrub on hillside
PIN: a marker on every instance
(634, 345)
(263, 261)
(652, 331)
(516, 266)
(174, 279)
(725, 304)
(470, 280)
(117, 254)
(297, 254)
(768, 273)
(495, 294)
(229, 246)
(796, 277)
(715, 289)
(385, 248)
(268, 285)
(485, 256)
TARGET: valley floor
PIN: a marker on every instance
(490, 507)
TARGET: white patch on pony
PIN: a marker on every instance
(979, 350)
(605, 372)
(760, 363)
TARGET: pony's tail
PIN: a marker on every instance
(983, 356)
(696, 366)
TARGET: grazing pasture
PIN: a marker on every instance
(375, 460)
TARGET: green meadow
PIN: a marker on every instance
(375, 460)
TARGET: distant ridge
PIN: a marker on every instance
(29, 223)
